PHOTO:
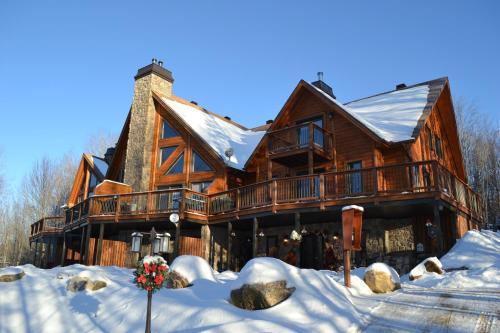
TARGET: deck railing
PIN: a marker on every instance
(52, 224)
(307, 135)
(396, 180)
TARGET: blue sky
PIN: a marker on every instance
(67, 67)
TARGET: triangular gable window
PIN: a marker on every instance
(177, 167)
(168, 131)
(199, 164)
(165, 153)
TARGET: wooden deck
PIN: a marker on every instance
(47, 226)
(409, 181)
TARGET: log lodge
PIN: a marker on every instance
(244, 192)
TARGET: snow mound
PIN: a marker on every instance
(11, 271)
(420, 269)
(193, 268)
(265, 270)
(94, 275)
(381, 267)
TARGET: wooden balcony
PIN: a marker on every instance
(292, 145)
(407, 181)
(47, 226)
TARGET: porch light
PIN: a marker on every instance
(233, 234)
(164, 242)
(303, 231)
(261, 233)
(136, 242)
(156, 244)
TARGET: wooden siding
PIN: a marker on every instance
(191, 245)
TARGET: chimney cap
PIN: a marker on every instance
(270, 121)
(155, 67)
(400, 86)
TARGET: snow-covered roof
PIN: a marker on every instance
(100, 164)
(219, 134)
(392, 116)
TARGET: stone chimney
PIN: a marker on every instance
(323, 86)
(150, 78)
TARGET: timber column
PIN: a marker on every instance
(139, 157)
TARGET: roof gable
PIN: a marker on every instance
(221, 135)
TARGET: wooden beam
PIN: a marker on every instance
(177, 239)
(297, 228)
(82, 239)
(87, 245)
(254, 237)
(63, 254)
(99, 243)
(437, 221)
(229, 244)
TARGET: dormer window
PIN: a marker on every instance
(168, 131)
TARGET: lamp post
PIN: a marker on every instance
(159, 244)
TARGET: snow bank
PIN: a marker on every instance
(381, 267)
(472, 263)
(420, 269)
(353, 207)
(265, 270)
(193, 268)
(10, 271)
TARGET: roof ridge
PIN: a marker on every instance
(202, 109)
(390, 91)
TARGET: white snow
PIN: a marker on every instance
(392, 116)
(219, 134)
(10, 271)
(381, 267)
(40, 303)
(153, 259)
(479, 253)
(353, 207)
(100, 164)
(193, 268)
(420, 269)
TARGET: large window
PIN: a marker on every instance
(167, 131)
(201, 186)
(303, 132)
(165, 153)
(439, 147)
(177, 167)
(354, 179)
(198, 164)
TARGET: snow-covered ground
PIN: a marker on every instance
(39, 302)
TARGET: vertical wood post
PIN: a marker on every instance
(99, 244)
(347, 268)
(437, 221)
(229, 244)
(254, 237)
(63, 254)
(177, 242)
(296, 226)
(87, 245)
(82, 240)
(34, 256)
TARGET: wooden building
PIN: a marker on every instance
(241, 192)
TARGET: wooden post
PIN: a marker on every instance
(296, 226)
(229, 244)
(254, 237)
(437, 221)
(63, 254)
(99, 243)
(177, 239)
(347, 268)
(45, 257)
(82, 239)
(87, 245)
(36, 248)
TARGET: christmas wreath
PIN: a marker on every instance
(151, 273)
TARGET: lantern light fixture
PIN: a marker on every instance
(261, 233)
(136, 242)
(164, 242)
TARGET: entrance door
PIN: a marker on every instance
(354, 179)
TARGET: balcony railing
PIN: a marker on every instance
(403, 180)
(53, 224)
(303, 136)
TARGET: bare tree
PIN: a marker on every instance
(480, 142)
(99, 142)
